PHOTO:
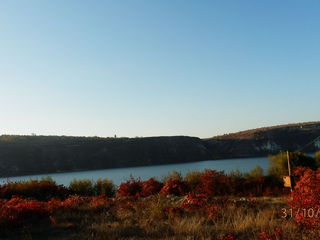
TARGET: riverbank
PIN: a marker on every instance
(29, 155)
(201, 205)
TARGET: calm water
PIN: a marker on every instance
(119, 175)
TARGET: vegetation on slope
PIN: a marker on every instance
(24, 155)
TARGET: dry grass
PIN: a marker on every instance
(145, 219)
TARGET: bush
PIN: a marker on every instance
(151, 187)
(256, 172)
(172, 175)
(37, 189)
(277, 234)
(174, 187)
(228, 237)
(194, 202)
(17, 211)
(192, 179)
(82, 187)
(131, 188)
(306, 198)
(104, 187)
(214, 183)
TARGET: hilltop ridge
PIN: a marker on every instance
(23, 155)
(267, 140)
(251, 132)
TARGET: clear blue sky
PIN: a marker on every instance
(150, 68)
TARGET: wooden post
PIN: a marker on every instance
(288, 158)
(289, 169)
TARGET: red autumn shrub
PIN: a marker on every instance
(194, 202)
(75, 202)
(79, 202)
(305, 199)
(54, 204)
(299, 171)
(214, 183)
(217, 183)
(212, 210)
(199, 203)
(228, 237)
(131, 188)
(151, 187)
(276, 235)
(174, 187)
(254, 186)
(101, 201)
(17, 211)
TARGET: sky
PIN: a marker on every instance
(157, 68)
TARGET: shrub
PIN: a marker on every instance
(174, 187)
(48, 179)
(194, 202)
(276, 235)
(273, 186)
(101, 201)
(228, 237)
(131, 188)
(172, 175)
(17, 211)
(214, 183)
(37, 189)
(74, 202)
(151, 187)
(305, 199)
(83, 187)
(79, 202)
(192, 179)
(104, 187)
(256, 172)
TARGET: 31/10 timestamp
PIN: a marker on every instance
(303, 212)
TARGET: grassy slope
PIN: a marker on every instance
(145, 220)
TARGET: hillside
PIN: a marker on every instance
(20, 155)
(268, 140)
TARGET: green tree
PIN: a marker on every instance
(317, 157)
(83, 187)
(279, 164)
(104, 187)
(256, 172)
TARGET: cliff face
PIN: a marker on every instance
(21, 155)
(264, 141)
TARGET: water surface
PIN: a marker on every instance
(118, 175)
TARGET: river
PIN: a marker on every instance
(119, 175)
